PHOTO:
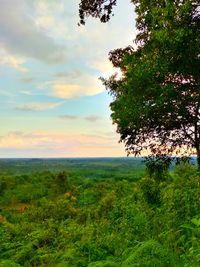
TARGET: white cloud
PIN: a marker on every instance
(104, 66)
(20, 36)
(85, 85)
(26, 92)
(66, 91)
(62, 90)
(6, 93)
(15, 62)
(49, 18)
(38, 106)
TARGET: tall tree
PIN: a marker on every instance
(156, 103)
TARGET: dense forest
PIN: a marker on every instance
(122, 217)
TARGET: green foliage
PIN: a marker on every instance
(158, 166)
(101, 222)
(8, 263)
(191, 234)
(150, 254)
(61, 182)
(182, 196)
(97, 9)
(185, 171)
(106, 263)
(150, 189)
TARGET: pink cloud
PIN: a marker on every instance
(44, 144)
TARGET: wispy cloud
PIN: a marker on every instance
(68, 117)
(73, 74)
(15, 62)
(43, 144)
(92, 118)
(26, 92)
(6, 93)
(38, 106)
(27, 79)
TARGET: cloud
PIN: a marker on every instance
(73, 74)
(43, 144)
(26, 92)
(47, 31)
(68, 117)
(12, 61)
(6, 93)
(93, 118)
(49, 18)
(104, 66)
(27, 79)
(66, 91)
(20, 36)
(38, 106)
(86, 85)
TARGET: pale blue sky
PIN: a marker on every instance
(52, 103)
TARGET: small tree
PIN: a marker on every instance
(158, 166)
(62, 182)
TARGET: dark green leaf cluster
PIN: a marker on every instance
(101, 9)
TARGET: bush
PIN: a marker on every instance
(150, 189)
(150, 254)
(157, 166)
(105, 263)
(62, 183)
(9, 263)
(182, 197)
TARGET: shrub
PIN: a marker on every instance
(150, 189)
(9, 263)
(150, 254)
(157, 166)
(62, 182)
(106, 263)
(182, 197)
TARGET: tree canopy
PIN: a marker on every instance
(101, 9)
(156, 102)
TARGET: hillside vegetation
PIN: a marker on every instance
(67, 219)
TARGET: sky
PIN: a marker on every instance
(52, 103)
